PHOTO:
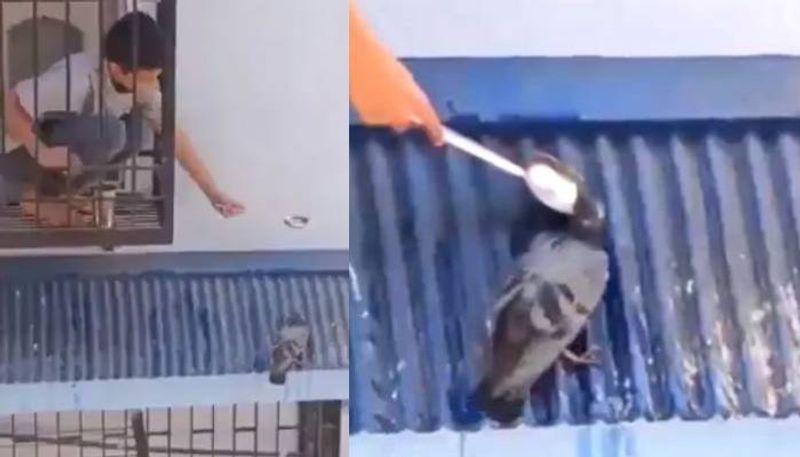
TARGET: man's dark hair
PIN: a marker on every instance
(119, 43)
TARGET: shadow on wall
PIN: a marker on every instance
(55, 37)
(59, 32)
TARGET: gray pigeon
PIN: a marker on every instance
(291, 350)
(559, 281)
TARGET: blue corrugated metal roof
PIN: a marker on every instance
(90, 325)
(700, 317)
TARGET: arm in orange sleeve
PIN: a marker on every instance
(382, 90)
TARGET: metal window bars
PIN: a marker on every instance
(264, 430)
(126, 198)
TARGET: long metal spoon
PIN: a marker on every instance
(550, 187)
(480, 151)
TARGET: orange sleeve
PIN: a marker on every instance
(367, 55)
(382, 90)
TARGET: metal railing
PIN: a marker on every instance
(124, 200)
(263, 430)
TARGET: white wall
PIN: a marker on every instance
(344, 440)
(586, 27)
(262, 92)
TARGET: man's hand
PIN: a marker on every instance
(225, 205)
(382, 90)
(193, 164)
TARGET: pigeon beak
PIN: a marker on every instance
(552, 188)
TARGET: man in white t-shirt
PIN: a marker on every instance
(112, 89)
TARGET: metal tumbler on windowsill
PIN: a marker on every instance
(105, 195)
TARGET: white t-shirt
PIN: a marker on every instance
(84, 81)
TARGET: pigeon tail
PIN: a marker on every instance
(502, 410)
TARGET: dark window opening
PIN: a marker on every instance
(115, 186)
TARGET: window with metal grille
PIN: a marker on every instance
(116, 185)
(264, 430)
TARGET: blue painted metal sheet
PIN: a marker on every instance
(82, 326)
(610, 89)
(700, 318)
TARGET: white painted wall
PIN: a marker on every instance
(424, 28)
(262, 91)
(344, 440)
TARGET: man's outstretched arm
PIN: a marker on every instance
(188, 158)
